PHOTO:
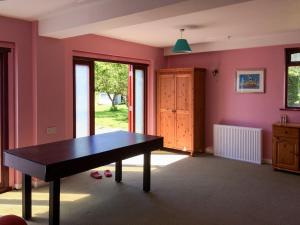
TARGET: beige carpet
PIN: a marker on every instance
(200, 190)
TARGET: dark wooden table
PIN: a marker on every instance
(53, 161)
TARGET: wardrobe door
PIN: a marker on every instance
(184, 116)
(166, 111)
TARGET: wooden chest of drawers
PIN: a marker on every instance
(286, 147)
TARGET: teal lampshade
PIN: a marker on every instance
(182, 46)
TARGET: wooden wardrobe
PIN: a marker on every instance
(180, 108)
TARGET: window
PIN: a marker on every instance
(292, 80)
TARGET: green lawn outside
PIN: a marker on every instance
(104, 118)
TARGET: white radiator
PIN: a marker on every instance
(240, 143)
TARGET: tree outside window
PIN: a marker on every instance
(292, 78)
(112, 79)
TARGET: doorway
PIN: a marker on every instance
(4, 171)
(109, 96)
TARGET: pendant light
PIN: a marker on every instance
(181, 45)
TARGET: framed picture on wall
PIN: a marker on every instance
(250, 81)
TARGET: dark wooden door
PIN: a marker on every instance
(4, 174)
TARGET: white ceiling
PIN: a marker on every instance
(36, 9)
(244, 20)
(157, 22)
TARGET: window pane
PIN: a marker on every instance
(295, 57)
(139, 101)
(293, 89)
(82, 100)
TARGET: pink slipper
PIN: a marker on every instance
(96, 174)
(107, 173)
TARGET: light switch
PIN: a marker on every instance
(51, 130)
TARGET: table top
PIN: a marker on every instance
(83, 153)
(79, 147)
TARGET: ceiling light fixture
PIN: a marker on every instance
(181, 45)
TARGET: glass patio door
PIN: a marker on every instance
(140, 99)
(137, 93)
(83, 98)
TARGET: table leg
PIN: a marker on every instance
(26, 197)
(147, 172)
(118, 175)
(54, 202)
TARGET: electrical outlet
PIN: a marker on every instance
(51, 130)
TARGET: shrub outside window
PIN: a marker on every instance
(292, 80)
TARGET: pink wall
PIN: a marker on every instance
(41, 78)
(55, 77)
(44, 89)
(108, 48)
(16, 34)
(50, 89)
(42, 82)
(224, 105)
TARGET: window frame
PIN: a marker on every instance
(288, 63)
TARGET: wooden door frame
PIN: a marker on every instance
(90, 64)
(4, 183)
(131, 100)
(90, 61)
